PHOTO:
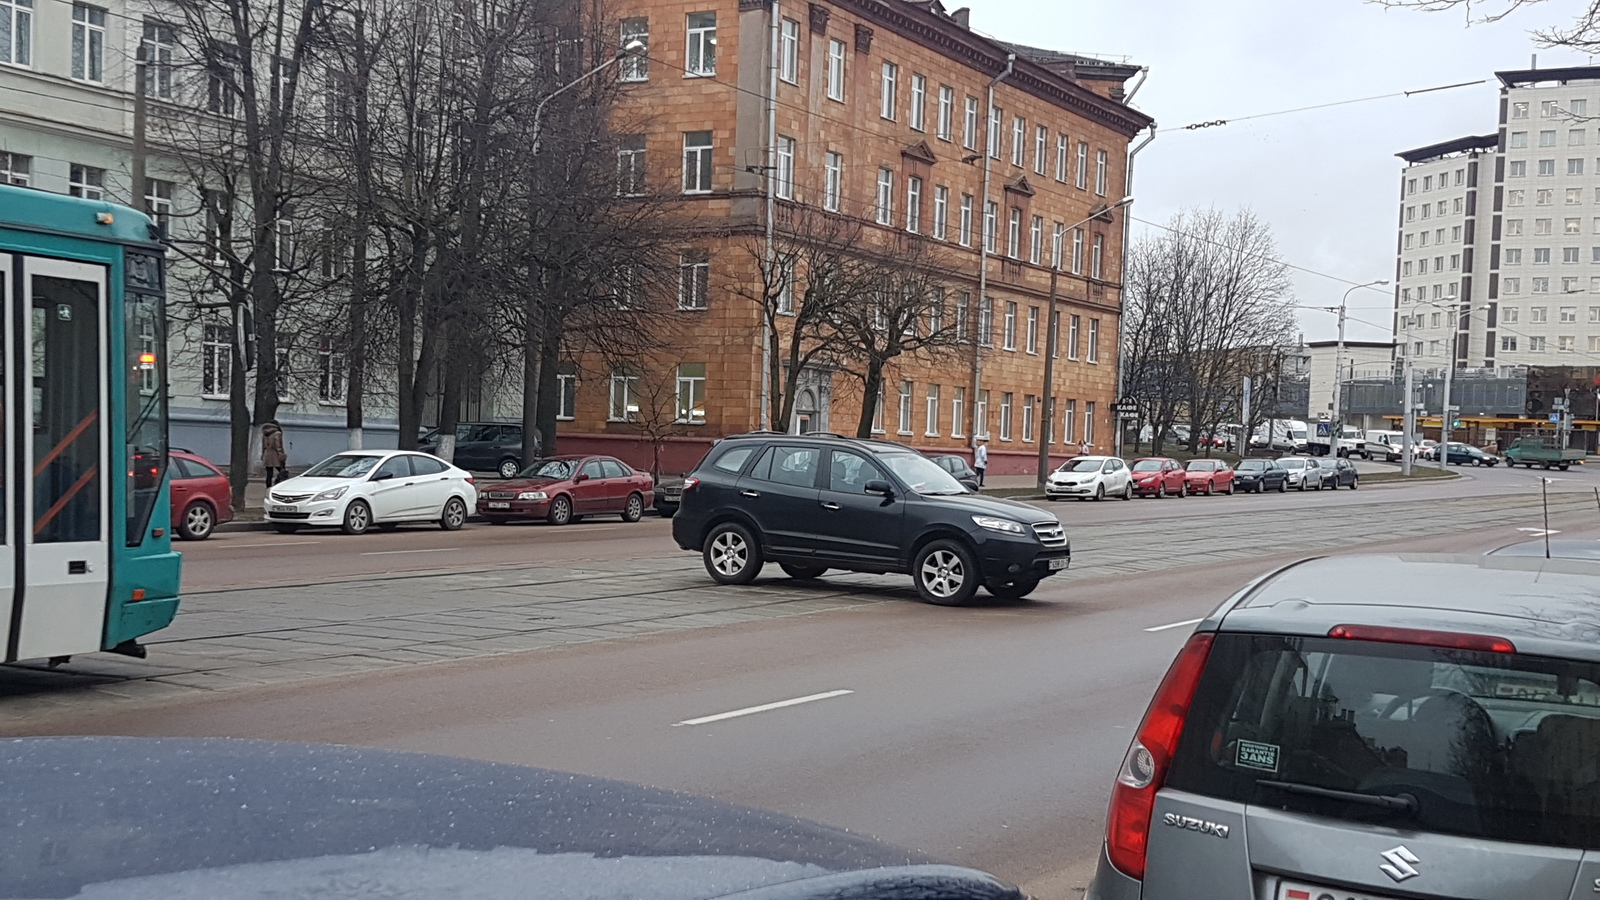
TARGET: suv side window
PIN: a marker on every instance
(511, 434)
(789, 465)
(733, 460)
(849, 472)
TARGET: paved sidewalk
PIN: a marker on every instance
(225, 640)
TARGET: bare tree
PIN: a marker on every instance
(1583, 34)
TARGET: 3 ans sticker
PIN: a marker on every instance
(1252, 755)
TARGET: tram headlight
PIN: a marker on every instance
(330, 494)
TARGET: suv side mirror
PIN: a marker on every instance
(879, 488)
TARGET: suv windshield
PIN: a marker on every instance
(1083, 464)
(921, 474)
(1489, 745)
(556, 469)
(343, 466)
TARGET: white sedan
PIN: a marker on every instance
(1090, 476)
(358, 489)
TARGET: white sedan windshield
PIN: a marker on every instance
(1080, 465)
(343, 466)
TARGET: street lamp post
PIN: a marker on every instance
(1335, 424)
(1047, 414)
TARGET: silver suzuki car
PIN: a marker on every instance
(1373, 728)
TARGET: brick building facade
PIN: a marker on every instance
(880, 120)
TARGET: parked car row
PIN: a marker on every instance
(1100, 477)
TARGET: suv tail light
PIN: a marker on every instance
(1133, 797)
(689, 483)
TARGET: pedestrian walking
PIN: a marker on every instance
(273, 458)
(980, 459)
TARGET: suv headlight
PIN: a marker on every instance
(993, 523)
(533, 495)
(330, 494)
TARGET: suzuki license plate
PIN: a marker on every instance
(1288, 890)
(1057, 565)
(499, 505)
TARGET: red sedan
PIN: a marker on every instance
(562, 489)
(1158, 476)
(1209, 476)
(201, 496)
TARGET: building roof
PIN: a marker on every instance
(1525, 77)
(1078, 66)
(1445, 148)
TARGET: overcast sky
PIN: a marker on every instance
(1326, 180)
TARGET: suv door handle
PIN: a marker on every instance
(749, 493)
(829, 504)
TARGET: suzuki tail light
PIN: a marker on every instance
(1133, 797)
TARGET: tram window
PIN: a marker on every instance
(66, 413)
(144, 329)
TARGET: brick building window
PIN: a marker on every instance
(1019, 138)
(958, 401)
(694, 279)
(941, 211)
(1027, 417)
(914, 204)
(963, 315)
(1036, 240)
(1097, 258)
(1041, 149)
(1005, 415)
(1069, 422)
(986, 322)
(783, 184)
(630, 165)
(635, 66)
(905, 407)
(964, 233)
(1032, 344)
(885, 200)
(697, 162)
(1074, 323)
(1094, 341)
(991, 224)
(1014, 233)
(919, 103)
(1009, 334)
(833, 176)
(891, 84)
(1077, 251)
(1062, 151)
(982, 413)
(1100, 171)
(836, 70)
(969, 132)
(996, 117)
(702, 44)
(789, 52)
(624, 399)
(947, 112)
(692, 392)
(1083, 165)
(930, 426)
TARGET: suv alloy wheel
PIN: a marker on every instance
(732, 555)
(946, 573)
(508, 468)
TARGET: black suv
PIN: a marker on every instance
(483, 447)
(816, 502)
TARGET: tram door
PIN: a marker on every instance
(55, 562)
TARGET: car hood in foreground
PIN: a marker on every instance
(179, 818)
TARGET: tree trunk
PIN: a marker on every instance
(873, 385)
(406, 293)
(238, 417)
(356, 341)
(449, 408)
(532, 353)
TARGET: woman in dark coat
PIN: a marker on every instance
(273, 458)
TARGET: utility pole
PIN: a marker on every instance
(139, 112)
(1047, 416)
(1335, 424)
(1447, 410)
(1409, 421)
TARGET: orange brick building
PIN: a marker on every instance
(883, 116)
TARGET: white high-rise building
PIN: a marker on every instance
(1499, 245)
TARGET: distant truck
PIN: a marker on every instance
(1542, 451)
(1351, 443)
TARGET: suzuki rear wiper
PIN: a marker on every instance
(1396, 802)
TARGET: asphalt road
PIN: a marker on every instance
(986, 735)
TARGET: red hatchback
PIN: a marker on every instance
(562, 489)
(1209, 476)
(201, 496)
(1158, 476)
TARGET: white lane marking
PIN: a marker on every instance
(1539, 532)
(287, 543)
(765, 707)
(389, 552)
(1176, 624)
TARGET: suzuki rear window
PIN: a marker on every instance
(1488, 745)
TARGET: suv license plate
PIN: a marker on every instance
(1057, 565)
(1288, 890)
(498, 505)
(283, 509)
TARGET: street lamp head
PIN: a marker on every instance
(631, 48)
(1123, 202)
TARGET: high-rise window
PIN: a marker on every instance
(635, 66)
(697, 162)
(702, 43)
(789, 51)
(891, 81)
(832, 184)
(88, 43)
(16, 32)
(836, 70)
(919, 102)
(783, 185)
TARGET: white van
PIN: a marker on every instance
(1386, 445)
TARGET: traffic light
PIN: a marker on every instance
(1456, 424)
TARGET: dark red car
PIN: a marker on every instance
(1209, 476)
(562, 489)
(201, 496)
(1158, 476)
